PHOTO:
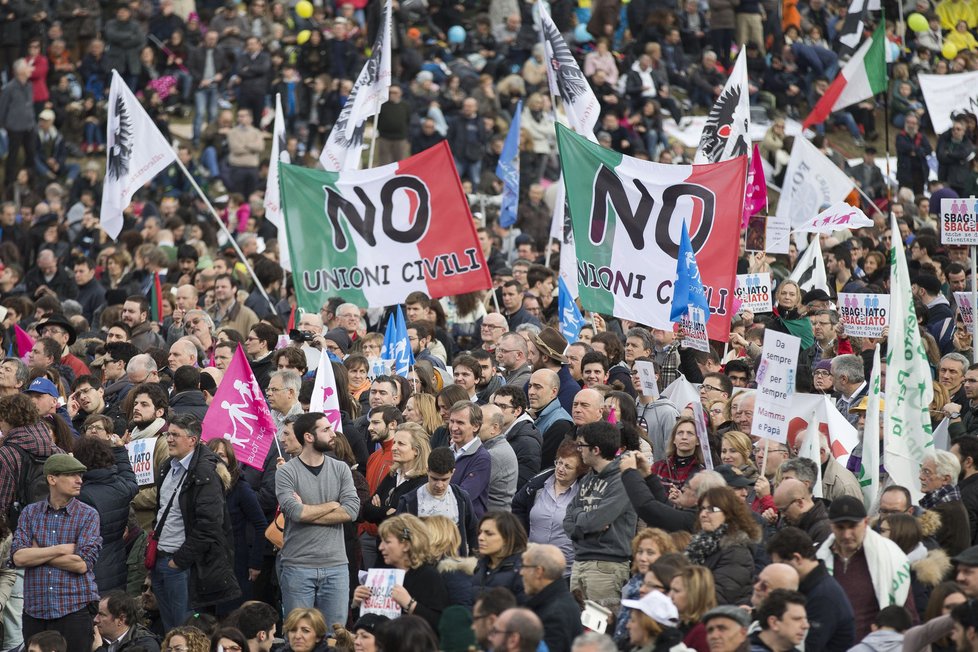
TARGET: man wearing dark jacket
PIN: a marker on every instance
(547, 596)
(193, 565)
(912, 149)
(117, 627)
(797, 507)
(519, 431)
(187, 397)
(253, 78)
(260, 345)
(829, 611)
(954, 154)
(17, 117)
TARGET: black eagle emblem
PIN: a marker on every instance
(725, 134)
(570, 80)
(122, 140)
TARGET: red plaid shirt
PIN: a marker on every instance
(32, 439)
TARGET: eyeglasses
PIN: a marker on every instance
(709, 388)
(95, 428)
(503, 406)
(581, 445)
(493, 326)
(822, 372)
(505, 632)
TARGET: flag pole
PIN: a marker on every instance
(220, 223)
(870, 199)
(373, 141)
(974, 300)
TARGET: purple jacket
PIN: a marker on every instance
(472, 471)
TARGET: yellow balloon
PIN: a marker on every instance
(304, 9)
(949, 51)
(302, 36)
(917, 22)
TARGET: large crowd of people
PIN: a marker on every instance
(514, 491)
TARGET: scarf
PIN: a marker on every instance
(949, 493)
(360, 389)
(704, 544)
(888, 567)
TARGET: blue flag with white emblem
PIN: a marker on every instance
(397, 346)
(508, 170)
(571, 319)
(688, 294)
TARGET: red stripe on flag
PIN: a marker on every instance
(823, 108)
(157, 303)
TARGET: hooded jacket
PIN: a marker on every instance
(527, 443)
(207, 551)
(601, 520)
(882, 640)
(110, 491)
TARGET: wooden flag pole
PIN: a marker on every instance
(220, 223)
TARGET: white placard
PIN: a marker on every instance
(959, 221)
(381, 581)
(646, 376)
(754, 292)
(864, 315)
(142, 453)
(693, 328)
(775, 385)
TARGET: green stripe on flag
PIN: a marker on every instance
(311, 236)
(581, 162)
(875, 61)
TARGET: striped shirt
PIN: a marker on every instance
(51, 592)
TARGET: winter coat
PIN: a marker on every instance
(137, 639)
(456, 573)
(969, 496)
(506, 575)
(830, 615)
(952, 160)
(816, 523)
(110, 491)
(390, 496)
(928, 568)
(559, 613)
(722, 13)
(954, 534)
(472, 472)
(189, 402)
(466, 516)
(912, 156)
(123, 40)
(207, 551)
(527, 443)
(733, 569)
(245, 511)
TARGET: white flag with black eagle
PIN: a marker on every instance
(136, 152)
(726, 134)
(854, 24)
(273, 204)
(371, 89)
(566, 79)
(809, 272)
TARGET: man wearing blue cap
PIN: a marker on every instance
(57, 542)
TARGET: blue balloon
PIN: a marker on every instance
(581, 35)
(456, 34)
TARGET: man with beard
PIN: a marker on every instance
(381, 427)
(115, 381)
(148, 420)
(317, 496)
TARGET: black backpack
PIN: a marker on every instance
(32, 485)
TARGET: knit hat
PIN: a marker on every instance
(455, 629)
(370, 623)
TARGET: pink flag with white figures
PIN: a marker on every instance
(755, 197)
(240, 414)
(324, 398)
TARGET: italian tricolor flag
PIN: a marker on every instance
(863, 77)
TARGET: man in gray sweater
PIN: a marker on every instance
(317, 496)
(600, 520)
(17, 117)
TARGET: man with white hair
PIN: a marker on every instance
(348, 318)
(183, 352)
(142, 369)
(938, 480)
(849, 380)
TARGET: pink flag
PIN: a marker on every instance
(239, 414)
(24, 342)
(755, 199)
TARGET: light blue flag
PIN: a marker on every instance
(403, 356)
(688, 291)
(571, 319)
(508, 170)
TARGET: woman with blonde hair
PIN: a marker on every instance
(305, 631)
(647, 546)
(190, 639)
(405, 545)
(735, 450)
(693, 592)
(422, 409)
(409, 471)
(446, 541)
(684, 457)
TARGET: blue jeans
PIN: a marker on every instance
(470, 169)
(94, 134)
(170, 586)
(326, 589)
(208, 158)
(205, 104)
